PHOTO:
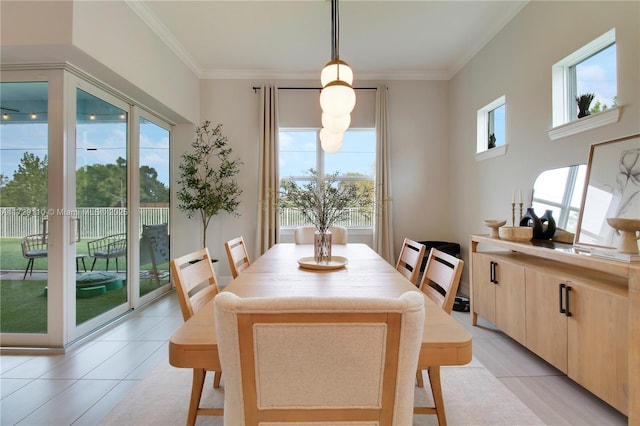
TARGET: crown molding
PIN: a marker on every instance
(152, 21)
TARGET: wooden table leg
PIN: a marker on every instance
(196, 393)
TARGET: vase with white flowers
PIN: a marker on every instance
(325, 202)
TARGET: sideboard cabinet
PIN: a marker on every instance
(569, 308)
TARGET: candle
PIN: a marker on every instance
(513, 197)
(521, 196)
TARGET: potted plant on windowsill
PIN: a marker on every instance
(584, 101)
(324, 202)
(208, 177)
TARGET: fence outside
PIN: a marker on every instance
(98, 222)
(95, 222)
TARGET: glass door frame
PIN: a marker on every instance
(63, 80)
(76, 83)
(134, 220)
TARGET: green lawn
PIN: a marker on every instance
(23, 303)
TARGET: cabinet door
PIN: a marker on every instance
(546, 326)
(483, 296)
(510, 296)
(597, 336)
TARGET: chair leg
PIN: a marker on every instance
(94, 263)
(29, 264)
(116, 265)
(107, 264)
(436, 390)
(419, 379)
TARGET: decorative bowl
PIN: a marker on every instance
(516, 233)
(622, 224)
(494, 225)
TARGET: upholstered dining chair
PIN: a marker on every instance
(295, 360)
(34, 247)
(196, 285)
(410, 259)
(237, 255)
(306, 234)
(440, 283)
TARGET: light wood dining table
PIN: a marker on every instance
(277, 274)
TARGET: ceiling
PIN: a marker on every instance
(411, 40)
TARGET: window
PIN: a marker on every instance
(355, 162)
(591, 69)
(491, 133)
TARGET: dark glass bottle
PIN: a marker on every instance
(548, 225)
(530, 219)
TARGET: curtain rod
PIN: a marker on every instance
(256, 88)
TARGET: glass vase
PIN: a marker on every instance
(322, 246)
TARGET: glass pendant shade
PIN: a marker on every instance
(336, 70)
(330, 142)
(336, 124)
(337, 98)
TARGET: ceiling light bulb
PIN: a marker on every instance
(336, 124)
(331, 142)
(337, 98)
(5, 116)
(92, 117)
(336, 70)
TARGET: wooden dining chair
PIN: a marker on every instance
(237, 255)
(440, 283)
(328, 360)
(410, 259)
(196, 285)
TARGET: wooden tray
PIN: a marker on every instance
(336, 262)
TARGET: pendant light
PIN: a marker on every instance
(337, 98)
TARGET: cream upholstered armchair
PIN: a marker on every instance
(323, 360)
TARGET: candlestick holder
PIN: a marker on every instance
(513, 214)
(520, 211)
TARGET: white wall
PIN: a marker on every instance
(517, 63)
(107, 40)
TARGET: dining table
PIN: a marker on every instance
(287, 270)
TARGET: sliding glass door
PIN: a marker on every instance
(24, 188)
(101, 206)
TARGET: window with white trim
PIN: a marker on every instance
(355, 162)
(491, 133)
(590, 70)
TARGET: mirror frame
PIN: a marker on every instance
(613, 167)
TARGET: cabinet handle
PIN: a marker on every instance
(561, 286)
(493, 272)
(568, 289)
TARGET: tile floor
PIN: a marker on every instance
(81, 386)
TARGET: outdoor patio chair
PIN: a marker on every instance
(111, 247)
(33, 247)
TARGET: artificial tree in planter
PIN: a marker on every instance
(208, 177)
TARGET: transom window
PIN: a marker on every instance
(590, 70)
(491, 128)
(355, 162)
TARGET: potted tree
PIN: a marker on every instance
(208, 177)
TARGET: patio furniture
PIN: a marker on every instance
(33, 247)
(154, 247)
(111, 247)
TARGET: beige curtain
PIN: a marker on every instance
(268, 223)
(383, 232)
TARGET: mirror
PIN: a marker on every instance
(560, 190)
